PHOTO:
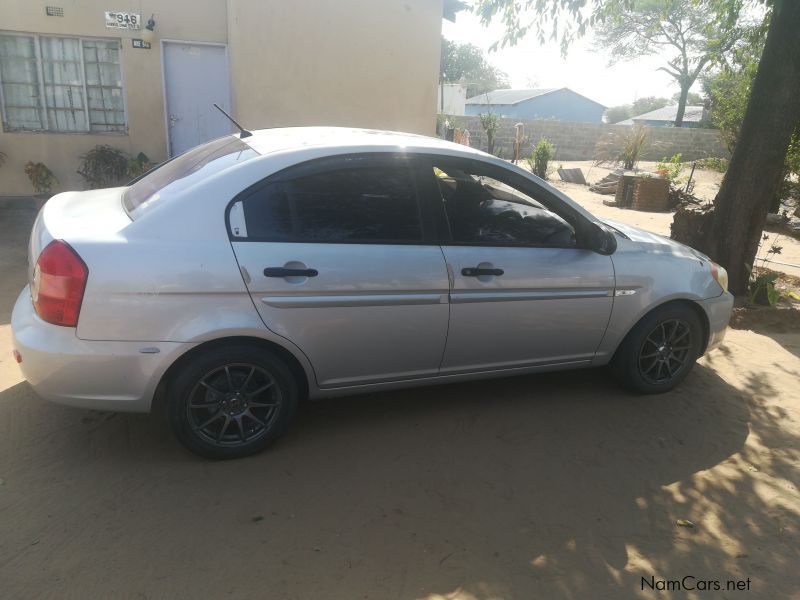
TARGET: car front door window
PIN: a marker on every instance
(484, 210)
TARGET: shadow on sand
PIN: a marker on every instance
(543, 486)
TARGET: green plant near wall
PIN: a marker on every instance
(713, 163)
(139, 165)
(41, 177)
(670, 168)
(622, 149)
(541, 157)
(489, 122)
(104, 166)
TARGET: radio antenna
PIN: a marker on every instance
(243, 133)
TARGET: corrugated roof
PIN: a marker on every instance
(509, 96)
(517, 96)
(668, 113)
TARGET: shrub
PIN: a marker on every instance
(713, 163)
(42, 178)
(139, 165)
(489, 122)
(622, 149)
(670, 168)
(104, 166)
(542, 154)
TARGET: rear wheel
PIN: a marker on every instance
(231, 401)
(660, 350)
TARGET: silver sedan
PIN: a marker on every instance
(252, 272)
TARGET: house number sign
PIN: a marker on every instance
(123, 20)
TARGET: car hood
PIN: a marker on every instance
(652, 242)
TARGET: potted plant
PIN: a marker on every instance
(104, 166)
(42, 179)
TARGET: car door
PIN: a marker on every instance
(523, 293)
(340, 259)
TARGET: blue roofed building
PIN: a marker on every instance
(558, 104)
(694, 116)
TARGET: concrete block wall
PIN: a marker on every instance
(577, 141)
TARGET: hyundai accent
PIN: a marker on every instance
(258, 270)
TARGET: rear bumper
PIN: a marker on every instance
(102, 375)
(718, 310)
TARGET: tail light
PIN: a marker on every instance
(59, 280)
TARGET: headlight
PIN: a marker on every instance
(720, 275)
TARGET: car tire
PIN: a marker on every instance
(231, 401)
(660, 350)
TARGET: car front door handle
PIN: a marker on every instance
(284, 272)
(478, 271)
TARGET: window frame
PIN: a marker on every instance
(514, 180)
(341, 162)
(42, 106)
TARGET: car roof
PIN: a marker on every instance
(268, 141)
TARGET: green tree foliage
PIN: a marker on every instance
(615, 114)
(647, 104)
(772, 114)
(677, 30)
(467, 62)
(693, 99)
(728, 90)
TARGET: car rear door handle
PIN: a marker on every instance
(477, 272)
(284, 272)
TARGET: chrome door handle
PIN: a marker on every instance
(172, 120)
(477, 272)
(284, 272)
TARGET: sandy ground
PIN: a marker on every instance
(706, 187)
(553, 486)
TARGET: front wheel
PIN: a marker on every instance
(231, 401)
(660, 351)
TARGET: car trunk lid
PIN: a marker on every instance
(77, 216)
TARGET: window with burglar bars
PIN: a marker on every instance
(62, 84)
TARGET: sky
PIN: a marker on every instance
(585, 70)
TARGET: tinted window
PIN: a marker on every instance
(185, 170)
(483, 210)
(364, 204)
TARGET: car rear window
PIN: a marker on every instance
(184, 171)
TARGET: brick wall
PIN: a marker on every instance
(576, 141)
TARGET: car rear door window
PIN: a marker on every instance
(484, 210)
(359, 204)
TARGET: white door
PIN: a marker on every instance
(195, 77)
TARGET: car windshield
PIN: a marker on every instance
(184, 171)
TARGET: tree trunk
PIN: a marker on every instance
(755, 171)
(685, 85)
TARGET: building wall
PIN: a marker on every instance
(351, 62)
(195, 20)
(455, 97)
(577, 141)
(561, 105)
(361, 63)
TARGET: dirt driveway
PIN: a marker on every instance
(553, 486)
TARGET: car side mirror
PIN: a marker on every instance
(600, 239)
